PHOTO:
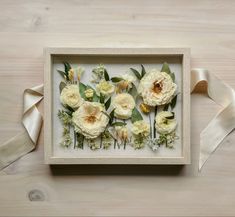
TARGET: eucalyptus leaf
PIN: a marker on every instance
(107, 103)
(62, 86)
(116, 79)
(118, 124)
(102, 98)
(172, 76)
(67, 67)
(172, 116)
(136, 116)
(173, 102)
(61, 73)
(106, 75)
(143, 71)
(111, 116)
(82, 88)
(166, 68)
(133, 91)
(165, 108)
(69, 108)
(137, 74)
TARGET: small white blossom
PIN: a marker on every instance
(123, 104)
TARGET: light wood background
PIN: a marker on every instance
(30, 188)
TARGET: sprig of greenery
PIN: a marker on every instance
(138, 74)
(136, 115)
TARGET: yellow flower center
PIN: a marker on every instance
(90, 119)
(157, 87)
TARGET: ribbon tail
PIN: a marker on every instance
(25, 141)
(224, 122)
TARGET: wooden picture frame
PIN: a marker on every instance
(182, 54)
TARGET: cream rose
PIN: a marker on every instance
(90, 120)
(140, 128)
(157, 88)
(165, 122)
(123, 104)
(105, 87)
(70, 96)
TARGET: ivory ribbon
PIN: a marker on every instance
(224, 122)
(25, 141)
(218, 128)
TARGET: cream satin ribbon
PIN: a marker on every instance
(224, 122)
(25, 141)
(218, 128)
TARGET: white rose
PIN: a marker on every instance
(157, 88)
(165, 122)
(123, 104)
(140, 128)
(70, 96)
(90, 120)
(105, 87)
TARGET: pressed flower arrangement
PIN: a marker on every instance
(107, 112)
(117, 106)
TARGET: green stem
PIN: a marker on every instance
(154, 128)
(75, 139)
(150, 123)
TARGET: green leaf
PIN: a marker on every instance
(133, 91)
(166, 107)
(172, 116)
(62, 86)
(61, 73)
(106, 75)
(111, 116)
(166, 68)
(67, 67)
(143, 71)
(137, 74)
(69, 108)
(116, 79)
(172, 76)
(82, 88)
(118, 124)
(107, 104)
(173, 102)
(136, 116)
(102, 97)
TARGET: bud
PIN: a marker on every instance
(71, 74)
(89, 93)
(144, 108)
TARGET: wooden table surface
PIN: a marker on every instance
(30, 188)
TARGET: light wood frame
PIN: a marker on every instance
(183, 53)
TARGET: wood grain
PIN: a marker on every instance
(30, 188)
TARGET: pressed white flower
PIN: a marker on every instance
(70, 96)
(140, 128)
(157, 88)
(121, 133)
(165, 122)
(123, 104)
(90, 120)
(89, 93)
(105, 87)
